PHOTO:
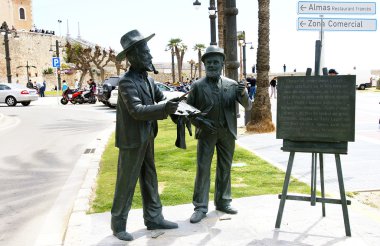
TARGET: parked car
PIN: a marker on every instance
(11, 94)
(168, 91)
(363, 86)
(112, 101)
(104, 90)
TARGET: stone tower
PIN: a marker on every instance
(17, 13)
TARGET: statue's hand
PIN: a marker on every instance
(240, 88)
(171, 106)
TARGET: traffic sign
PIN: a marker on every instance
(336, 24)
(56, 62)
(355, 8)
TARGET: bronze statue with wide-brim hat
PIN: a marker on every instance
(130, 39)
(137, 112)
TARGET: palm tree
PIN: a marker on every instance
(221, 26)
(199, 48)
(170, 46)
(180, 49)
(261, 115)
(195, 69)
(192, 63)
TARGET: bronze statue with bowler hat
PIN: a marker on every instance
(216, 129)
(136, 127)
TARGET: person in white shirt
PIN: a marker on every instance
(76, 84)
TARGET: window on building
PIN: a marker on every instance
(22, 14)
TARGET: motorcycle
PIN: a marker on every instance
(88, 96)
(73, 96)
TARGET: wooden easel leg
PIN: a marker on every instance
(342, 195)
(313, 183)
(322, 183)
(285, 189)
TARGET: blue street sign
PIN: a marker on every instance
(56, 62)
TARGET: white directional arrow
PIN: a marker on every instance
(318, 7)
(336, 24)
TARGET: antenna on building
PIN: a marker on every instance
(68, 32)
(78, 31)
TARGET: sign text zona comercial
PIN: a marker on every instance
(318, 7)
(336, 24)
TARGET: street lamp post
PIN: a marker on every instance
(5, 31)
(243, 44)
(59, 23)
(212, 16)
(57, 46)
(244, 58)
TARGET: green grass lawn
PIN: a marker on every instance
(176, 172)
(53, 93)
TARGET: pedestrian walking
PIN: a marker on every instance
(273, 84)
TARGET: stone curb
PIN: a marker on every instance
(84, 196)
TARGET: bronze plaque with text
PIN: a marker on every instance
(316, 108)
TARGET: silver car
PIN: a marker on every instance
(11, 94)
(113, 98)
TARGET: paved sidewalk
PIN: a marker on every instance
(302, 224)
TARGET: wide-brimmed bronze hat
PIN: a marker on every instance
(129, 40)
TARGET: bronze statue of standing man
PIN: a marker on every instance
(136, 127)
(216, 97)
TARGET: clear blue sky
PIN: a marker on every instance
(104, 22)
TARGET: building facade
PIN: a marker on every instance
(17, 13)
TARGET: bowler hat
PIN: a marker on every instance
(213, 49)
(130, 39)
(333, 71)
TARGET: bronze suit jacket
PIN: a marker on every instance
(200, 97)
(137, 110)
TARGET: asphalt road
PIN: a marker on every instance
(39, 148)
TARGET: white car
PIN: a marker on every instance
(168, 92)
(11, 94)
(113, 98)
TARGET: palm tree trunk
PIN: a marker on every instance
(173, 69)
(181, 64)
(178, 63)
(261, 115)
(200, 63)
(221, 29)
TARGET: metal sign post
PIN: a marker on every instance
(56, 63)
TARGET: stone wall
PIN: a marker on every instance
(30, 49)
(33, 49)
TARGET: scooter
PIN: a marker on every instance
(73, 96)
(88, 96)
